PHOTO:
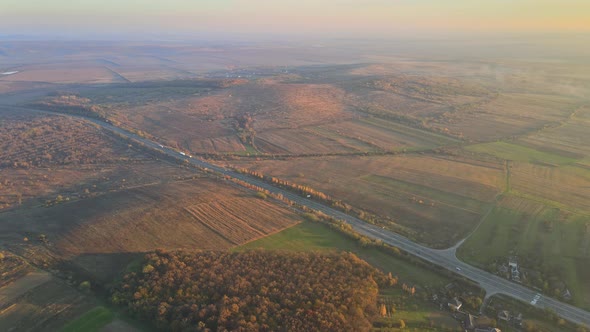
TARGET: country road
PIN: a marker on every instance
(444, 258)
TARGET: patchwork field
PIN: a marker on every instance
(434, 89)
(323, 110)
(11, 269)
(287, 118)
(178, 215)
(414, 194)
(517, 152)
(72, 194)
(404, 92)
(507, 115)
(569, 139)
(549, 243)
(385, 103)
(353, 136)
(203, 116)
(310, 140)
(240, 220)
(33, 300)
(565, 187)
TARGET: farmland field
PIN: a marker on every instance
(12, 268)
(32, 299)
(40, 301)
(91, 321)
(565, 187)
(240, 220)
(508, 115)
(439, 89)
(517, 152)
(545, 239)
(200, 116)
(177, 215)
(313, 236)
(416, 193)
(388, 103)
(361, 135)
(423, 147)
(568, 139)
(309, 140)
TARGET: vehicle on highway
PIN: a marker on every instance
(458, 268)
(182, 153)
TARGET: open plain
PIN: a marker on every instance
(489, 155)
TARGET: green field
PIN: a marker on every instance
(91, 321)
(309, 236)
(545, 239)
(517, 152)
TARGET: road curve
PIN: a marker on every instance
(491, 283)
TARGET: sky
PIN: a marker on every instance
(336, 18)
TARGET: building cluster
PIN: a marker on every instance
(471, 321)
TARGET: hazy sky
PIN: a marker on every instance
(355, 18)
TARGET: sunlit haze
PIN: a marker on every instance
(332, 18)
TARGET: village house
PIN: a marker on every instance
(504, 315)
(470, 322)
(455, 304)
(514, 272)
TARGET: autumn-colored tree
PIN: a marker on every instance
(253, 291)
(402, 324)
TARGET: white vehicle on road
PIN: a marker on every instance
(458, 268)
(182, 153)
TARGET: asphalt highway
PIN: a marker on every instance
(491, 283)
